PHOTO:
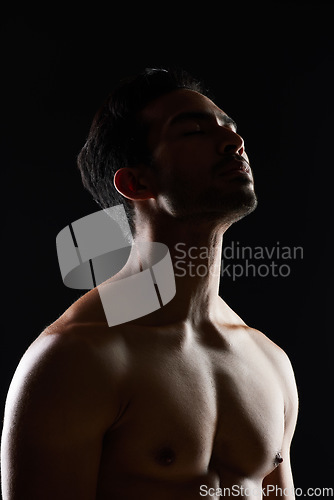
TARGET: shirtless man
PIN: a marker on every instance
(183, 401)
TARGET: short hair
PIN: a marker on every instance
(118, 137)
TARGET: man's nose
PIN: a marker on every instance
(230, 142)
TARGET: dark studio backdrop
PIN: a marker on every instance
(270, 67)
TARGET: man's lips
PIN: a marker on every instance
(232, 163)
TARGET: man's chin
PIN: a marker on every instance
(242, 211)
(232, 208)
(228, 207)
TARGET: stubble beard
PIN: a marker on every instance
(226, 208)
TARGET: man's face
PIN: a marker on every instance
(200, 166)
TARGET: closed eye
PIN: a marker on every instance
(194, 132)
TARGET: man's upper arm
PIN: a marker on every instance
(58, 408)
(279, 484)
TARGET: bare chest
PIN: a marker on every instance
(200, 408)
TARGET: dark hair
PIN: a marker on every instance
(117, 137)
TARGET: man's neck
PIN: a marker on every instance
(196, 258)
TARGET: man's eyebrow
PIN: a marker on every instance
(202, 115)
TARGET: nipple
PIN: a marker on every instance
(278, 459)
(165, 456)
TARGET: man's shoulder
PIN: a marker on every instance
(83, 328)
(69, 368)
(281, 363)
(76, 350)
(67, 391)
(273, 351)
(80, 341)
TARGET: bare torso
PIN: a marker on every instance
(197, 410)
(203, 408)
(200, 410)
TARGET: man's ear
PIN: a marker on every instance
(131, 184)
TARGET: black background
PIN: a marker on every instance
(270, 66)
